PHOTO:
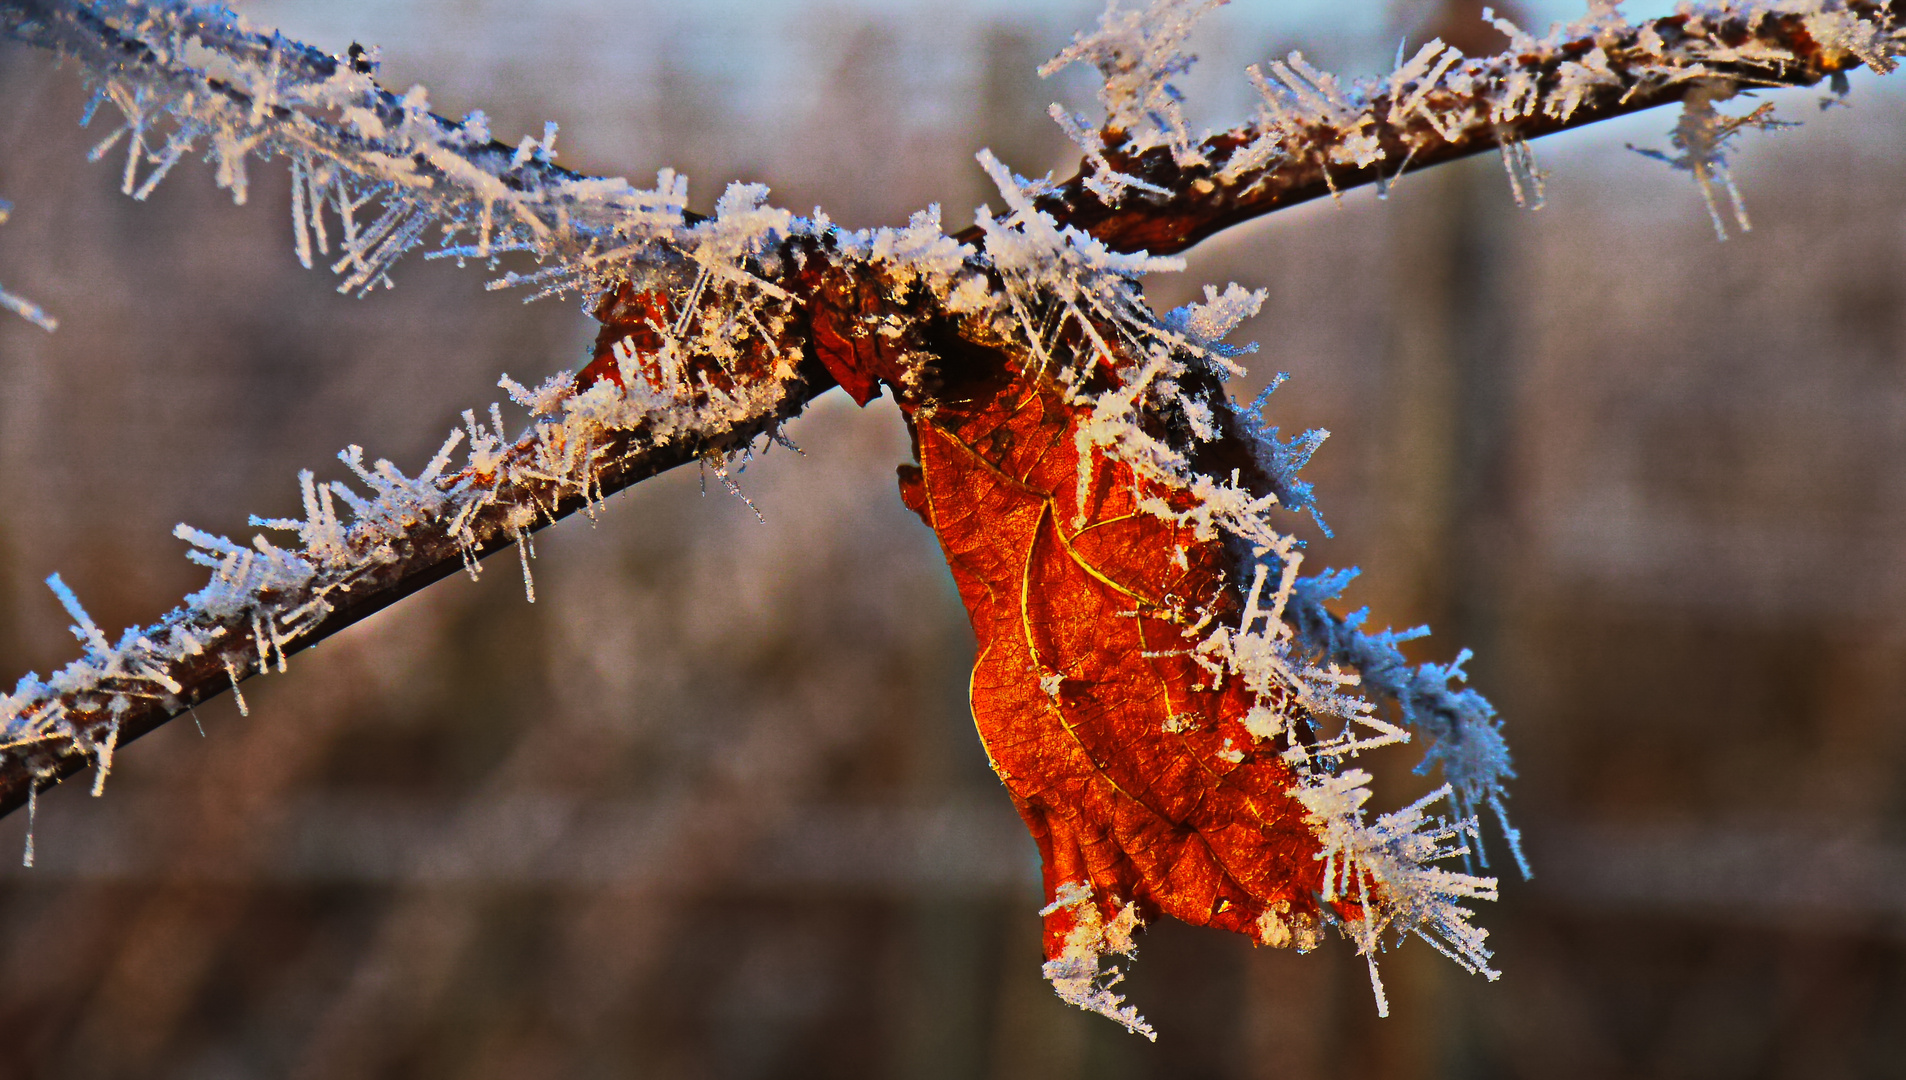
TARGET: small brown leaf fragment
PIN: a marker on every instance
(634, 319)
(847, 320)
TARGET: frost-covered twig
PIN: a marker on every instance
(186, 79)
(719, 328)
(727, 366)
(357, 550)
(1144, 187)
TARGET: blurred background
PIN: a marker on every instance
(713, 805)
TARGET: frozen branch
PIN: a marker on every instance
(717, 329)
(187, 79)
(1316, 135)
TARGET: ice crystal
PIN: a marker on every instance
(1703, 136)
(1389, 867)
(1077, 975)
(1138, 52)
(20, 305)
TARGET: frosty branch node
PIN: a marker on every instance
(1174, 709)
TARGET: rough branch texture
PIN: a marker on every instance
(1316, 136)
(719, 328)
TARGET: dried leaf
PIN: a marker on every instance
(1162, 750)
(1126, 756)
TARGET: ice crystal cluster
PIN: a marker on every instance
(378, 174)
(1138, 52)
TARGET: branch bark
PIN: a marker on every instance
(1212, 195)
(829, 303)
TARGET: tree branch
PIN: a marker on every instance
(699, 385)
(1321, 141)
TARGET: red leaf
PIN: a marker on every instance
(1127, 758)
(1151, 738)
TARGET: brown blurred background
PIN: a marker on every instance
(713, 807)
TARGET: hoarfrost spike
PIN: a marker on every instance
(32, 819)
(523, 556)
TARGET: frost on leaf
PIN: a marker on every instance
(1172, 741)
(1087, 593)
(1075, 973)
(1169, 754)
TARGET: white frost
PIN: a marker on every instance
(1138, 53)
(375, 175)
(1079, 974)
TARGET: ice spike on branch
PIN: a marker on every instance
(1138, 52)
(1703, 136)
